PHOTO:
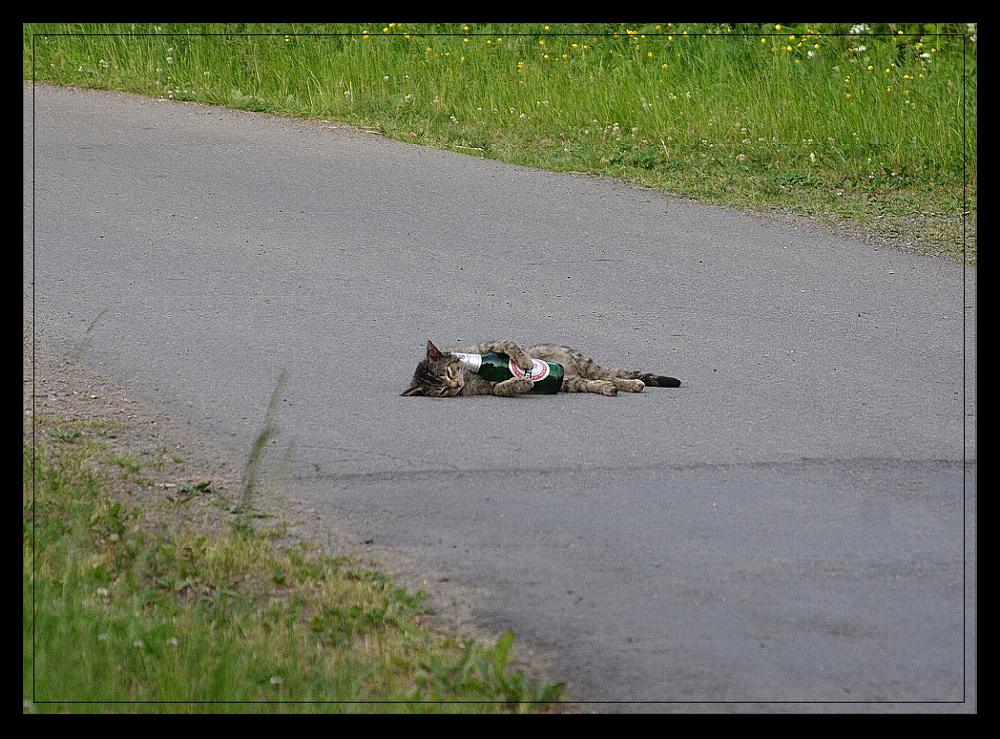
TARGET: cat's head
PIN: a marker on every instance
(437, 376)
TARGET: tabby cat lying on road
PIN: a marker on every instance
(545, 368)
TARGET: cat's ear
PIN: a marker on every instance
(433, 353)
(412, 390)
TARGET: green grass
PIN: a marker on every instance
(792, 118)
(120, 616)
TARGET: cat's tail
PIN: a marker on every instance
(648, 378)
(652, 380)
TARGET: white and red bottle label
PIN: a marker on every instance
(539, 369)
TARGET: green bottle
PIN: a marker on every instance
(548, 376)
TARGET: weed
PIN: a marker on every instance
(268, 430)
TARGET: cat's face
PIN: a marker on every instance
(437, 376)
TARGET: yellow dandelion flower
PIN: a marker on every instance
(670, 39)
(788, 48)
(816, 46)
(871, 68)
(546, 29)
(763, 40)
(888, 88)
(664, 66)
(541, 42)
(777, 27)
(848, 95)
(649, 54)
(791, 37)
(545, 56)
(565, 56)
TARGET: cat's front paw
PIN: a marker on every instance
(513, 386)
(521, 385)
(523, 360)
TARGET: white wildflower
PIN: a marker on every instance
(860, 28)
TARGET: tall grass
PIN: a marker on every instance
(756, 115)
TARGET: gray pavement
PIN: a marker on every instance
(783, 532)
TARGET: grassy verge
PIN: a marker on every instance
(130, 605)
(858, 126)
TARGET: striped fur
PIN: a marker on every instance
(438, 376)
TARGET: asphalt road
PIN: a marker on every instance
(783, 532)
